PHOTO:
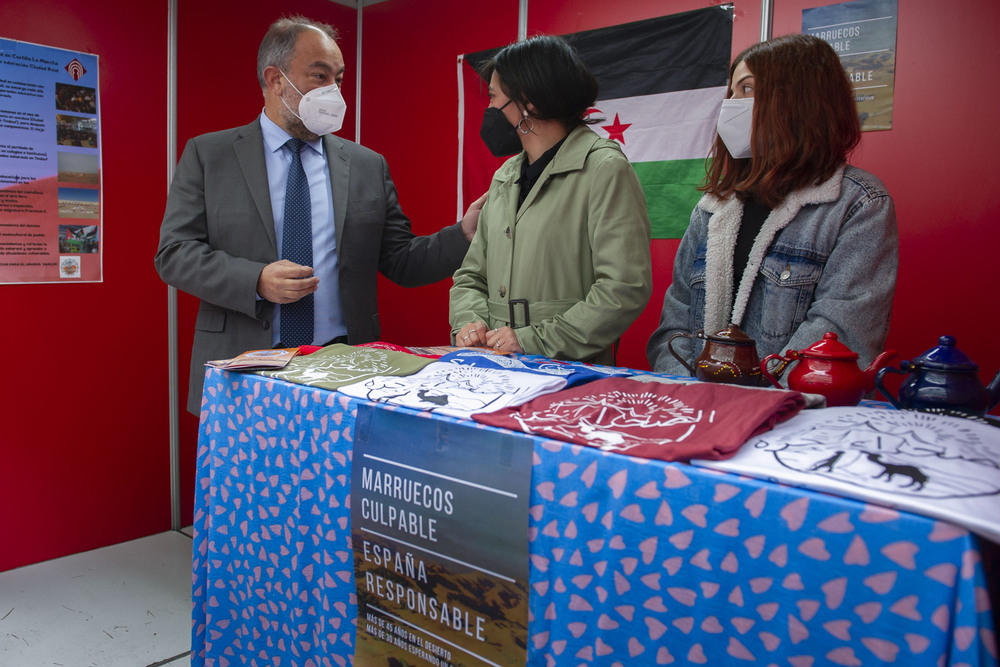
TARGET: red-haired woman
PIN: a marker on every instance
(789, 241)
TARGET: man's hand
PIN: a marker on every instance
(470, 221)
(286, 282)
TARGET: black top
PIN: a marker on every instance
(754, 215)
(531, 172)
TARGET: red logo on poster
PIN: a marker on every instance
(76, 69)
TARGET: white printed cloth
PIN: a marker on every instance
(938, 466)
(456, 390)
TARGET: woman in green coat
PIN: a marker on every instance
(560, 263)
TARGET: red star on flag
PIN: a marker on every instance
(616, 132)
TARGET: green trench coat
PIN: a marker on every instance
(577, 251)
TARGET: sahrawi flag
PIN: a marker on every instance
(661, 81)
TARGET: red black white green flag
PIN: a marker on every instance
(661, 81)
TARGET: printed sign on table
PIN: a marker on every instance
(439, 527)
(863, 33)
(50, 165)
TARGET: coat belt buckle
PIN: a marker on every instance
(511, 312)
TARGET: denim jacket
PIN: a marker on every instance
(825, 260)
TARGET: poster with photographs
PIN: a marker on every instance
(50, 165)
(863, 33)
(439, 527)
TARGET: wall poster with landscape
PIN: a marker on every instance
(863, 33)
(50, 165)
(439, 528)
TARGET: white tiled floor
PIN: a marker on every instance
(128, 605)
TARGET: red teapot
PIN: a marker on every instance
(830, 368)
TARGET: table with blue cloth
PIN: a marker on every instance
(632, 561)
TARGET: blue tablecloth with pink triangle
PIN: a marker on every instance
(633, 561)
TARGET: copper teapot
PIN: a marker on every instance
(729, 356)
(827, 367)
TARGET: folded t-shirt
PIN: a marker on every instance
(670, 422)
(420, 352)
(456, 390)
(575, 373)
(336, 365)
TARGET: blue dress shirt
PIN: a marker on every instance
(329, 323)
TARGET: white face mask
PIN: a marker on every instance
(321, 110)
(735, 120)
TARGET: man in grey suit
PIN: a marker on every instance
(221, 239)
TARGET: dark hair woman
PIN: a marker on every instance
(789, 241)
(560, 263)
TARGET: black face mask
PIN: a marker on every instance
(498, 134)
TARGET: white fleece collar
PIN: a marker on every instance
(723, 227)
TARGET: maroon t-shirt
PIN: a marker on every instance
(653, 420)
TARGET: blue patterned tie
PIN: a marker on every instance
(296, 246)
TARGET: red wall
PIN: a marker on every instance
(84, 450)
(84, 447)
(408, 104)
(422, 150)
(939, 163)
(938, 160)
(84, 453)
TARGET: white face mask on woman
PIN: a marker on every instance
(735, 121)
(321, 110)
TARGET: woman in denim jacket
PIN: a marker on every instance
(788, 242)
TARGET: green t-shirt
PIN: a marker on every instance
(337, 365)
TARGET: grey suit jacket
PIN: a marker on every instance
(217, 236)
